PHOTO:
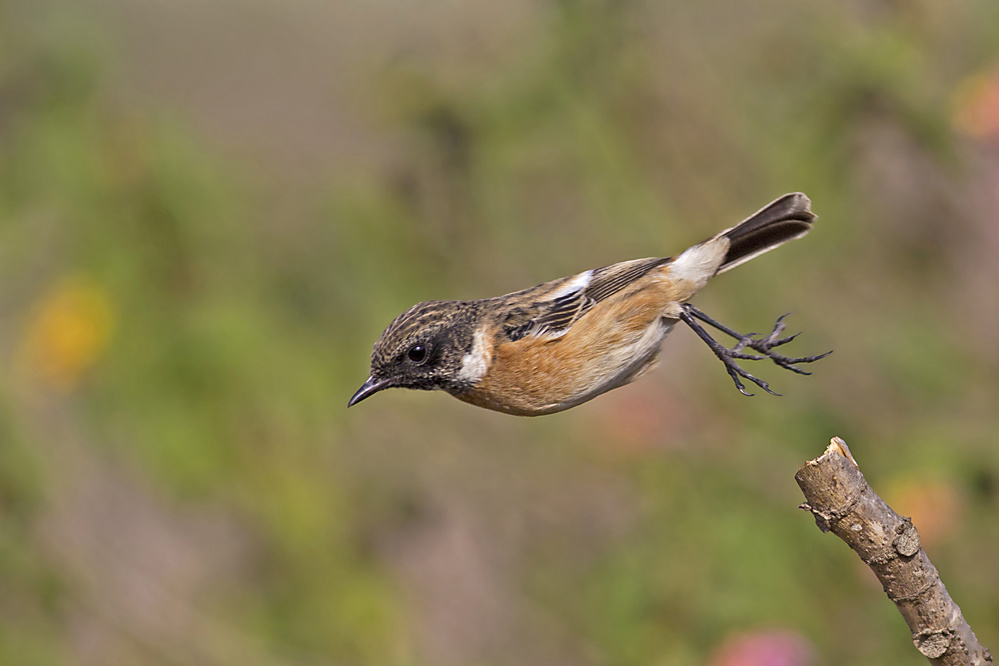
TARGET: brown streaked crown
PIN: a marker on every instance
(423, 347)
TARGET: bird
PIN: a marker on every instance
(559, 344)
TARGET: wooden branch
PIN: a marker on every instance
(842, 502)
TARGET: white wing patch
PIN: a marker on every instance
(578, 283)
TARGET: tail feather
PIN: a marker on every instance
(783, 220)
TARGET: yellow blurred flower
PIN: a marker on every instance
(976, 105)
(68, 331)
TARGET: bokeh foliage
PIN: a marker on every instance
(181, 325)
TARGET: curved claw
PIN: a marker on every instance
(784, 341)
(806, 359)
(735, 372)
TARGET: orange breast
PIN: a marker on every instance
(607, 347)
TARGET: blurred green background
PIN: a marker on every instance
(210, 209)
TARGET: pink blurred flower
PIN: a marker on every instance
(774, 647)
(976, 105)
(935, 506)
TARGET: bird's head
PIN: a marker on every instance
(424, 348)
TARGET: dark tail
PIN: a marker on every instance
(773, 225)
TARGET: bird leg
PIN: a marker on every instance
(764, 346)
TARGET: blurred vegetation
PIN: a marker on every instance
(184, 312)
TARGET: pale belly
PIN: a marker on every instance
(631, 360)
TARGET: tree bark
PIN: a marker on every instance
(842, 502)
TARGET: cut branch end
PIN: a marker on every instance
(842, 502)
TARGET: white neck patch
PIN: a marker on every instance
(475, 363)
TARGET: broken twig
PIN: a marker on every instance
(842, 502)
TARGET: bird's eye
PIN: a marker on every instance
(417, 353)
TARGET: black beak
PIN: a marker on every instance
(368, 389)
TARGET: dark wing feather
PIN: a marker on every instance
(609, 280)
(563, 311)
(554, 316)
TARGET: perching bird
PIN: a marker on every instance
(561, 343)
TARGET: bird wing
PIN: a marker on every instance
(551, 309)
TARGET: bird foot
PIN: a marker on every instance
(765, 348)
